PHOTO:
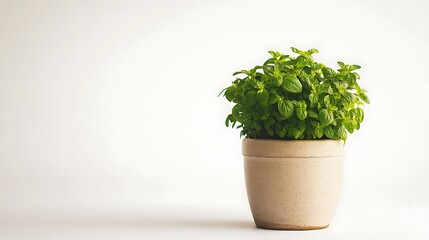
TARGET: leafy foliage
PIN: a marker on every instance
(296, 98)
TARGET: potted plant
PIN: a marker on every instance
(295, 114)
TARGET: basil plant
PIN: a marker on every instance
(295, 97)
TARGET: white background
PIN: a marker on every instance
(110, 125)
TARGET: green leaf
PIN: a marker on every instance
(262, 96)
(339, 115)
(301, 109)
(236, 112)
(238, 95)
(301, 62)
(250, 97)
(327, 101)
(262, 78)
(228, 119)
(341, 132)
(341, 64)
(273, 98)
(360, 114)
(281, 132)
(301, 113)
(324, 88)
(326, 117)
(274, 54)
(356, 125)
(313, 50)
(364, 97)
(316, 66)
(329, 131)
(349, 126)
(302, 126)
(342, 86)
(222, 92)
(306, 82)
(295, 50)
(253, 82)
(314, 98)
(313, 114)
(296, 133)
(354, 67)
(277, 80)
(230, 92)
(349, 97)
(328, 73)
(333, 108)
(350, 77)
(357, 76)
(241, 72)
(292, 84)
(260, 85)
(283, 57)
(296, 103)
(270, 61)
(286, 108)
(318, 131)
(268, 69)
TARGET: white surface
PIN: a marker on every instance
(110, 125)
(193, 223)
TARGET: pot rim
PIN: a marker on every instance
(277, 148)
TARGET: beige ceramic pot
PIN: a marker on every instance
(293, 184)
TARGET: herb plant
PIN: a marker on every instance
(296, 98)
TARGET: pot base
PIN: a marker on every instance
(276, 226)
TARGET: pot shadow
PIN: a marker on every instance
(196, 223)
(149, 223)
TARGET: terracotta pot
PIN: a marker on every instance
(293, 185)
